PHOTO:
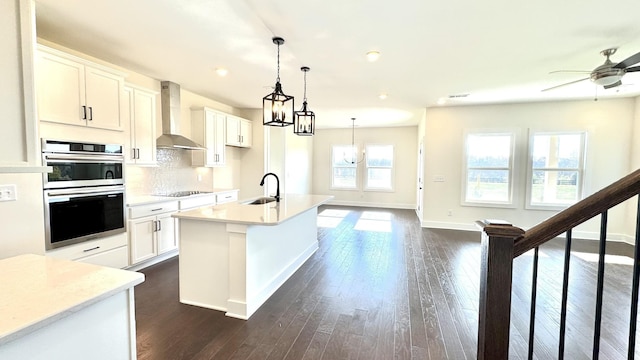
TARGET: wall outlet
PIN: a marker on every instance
(438, 178)
(449, 212)
(8, 193)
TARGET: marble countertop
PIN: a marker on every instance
(272, 213)
(143, 199)
(38, 290)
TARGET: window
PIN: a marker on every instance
(557, 161)
(489, 168)
(379, 166)
(343, 167)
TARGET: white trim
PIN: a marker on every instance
(154, 260)
(581, 235)
(369, 204)
(511, 169)
(449, 226)
(580, 170)
(392, 168)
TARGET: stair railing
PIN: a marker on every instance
(502, 242)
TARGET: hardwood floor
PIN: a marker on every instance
(381, 287)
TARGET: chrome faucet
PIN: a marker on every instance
(277, 197)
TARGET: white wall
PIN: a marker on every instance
(403, 139)
(21, 221)
(252, 160)
(298, 159)
(608, 124)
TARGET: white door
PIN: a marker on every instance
(104, 93)
(420, 182)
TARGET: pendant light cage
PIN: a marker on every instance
(305, 119)
(278, 107)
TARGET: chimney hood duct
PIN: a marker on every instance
(170, 138)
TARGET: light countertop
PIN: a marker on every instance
(39, 290)
(272, 213)
(144, 199)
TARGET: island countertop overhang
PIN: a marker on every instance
(272, 213)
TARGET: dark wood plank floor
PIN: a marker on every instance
(381, 287)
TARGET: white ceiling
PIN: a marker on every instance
(496, 51)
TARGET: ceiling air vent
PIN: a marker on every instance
(458, 96)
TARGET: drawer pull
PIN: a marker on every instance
(93, 248)
(158, 209)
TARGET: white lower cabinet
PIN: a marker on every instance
(109, 251)
(151, 230)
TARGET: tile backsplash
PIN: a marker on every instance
(173, 173)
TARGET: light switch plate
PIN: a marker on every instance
(8, 193)
(438, 178)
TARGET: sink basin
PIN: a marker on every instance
(260, 201)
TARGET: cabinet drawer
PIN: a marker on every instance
(197, 201)
(226, 197)
(91, 247)
(152, 209)
(115, 258)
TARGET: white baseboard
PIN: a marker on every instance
(583, 235)
(276, 282)
(449, 226)
(153, 261)
(370, 204)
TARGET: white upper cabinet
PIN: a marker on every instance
(208, 127)
(140, 110)
(238, 131)
(72, 91)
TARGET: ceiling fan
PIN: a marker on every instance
(609, 74)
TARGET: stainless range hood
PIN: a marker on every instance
(171, 138)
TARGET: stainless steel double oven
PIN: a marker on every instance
(84, 194)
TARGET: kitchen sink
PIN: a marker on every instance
(260, 201)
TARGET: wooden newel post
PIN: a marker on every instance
(495, 288)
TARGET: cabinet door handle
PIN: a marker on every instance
(84, 112)
(137, 151)
(90, 113)
(155, 226)
(159, 225)
(133, 153)
(93, 248)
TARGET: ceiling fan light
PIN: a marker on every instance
(607, 77)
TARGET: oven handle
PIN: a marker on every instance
(73, 193)
(75, 157)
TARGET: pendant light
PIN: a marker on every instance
(305, 119)
(354, 153)
(277, 107)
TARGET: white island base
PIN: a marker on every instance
(235, 267)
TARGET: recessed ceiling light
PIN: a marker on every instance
(221, 71)
(382, 96)
(373, 56)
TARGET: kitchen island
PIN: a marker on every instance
(60, 309)
(234, 256)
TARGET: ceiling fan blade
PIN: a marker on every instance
(631, 60)
(632, 69)
(565, 84)
(570, 71)
(615, 84)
